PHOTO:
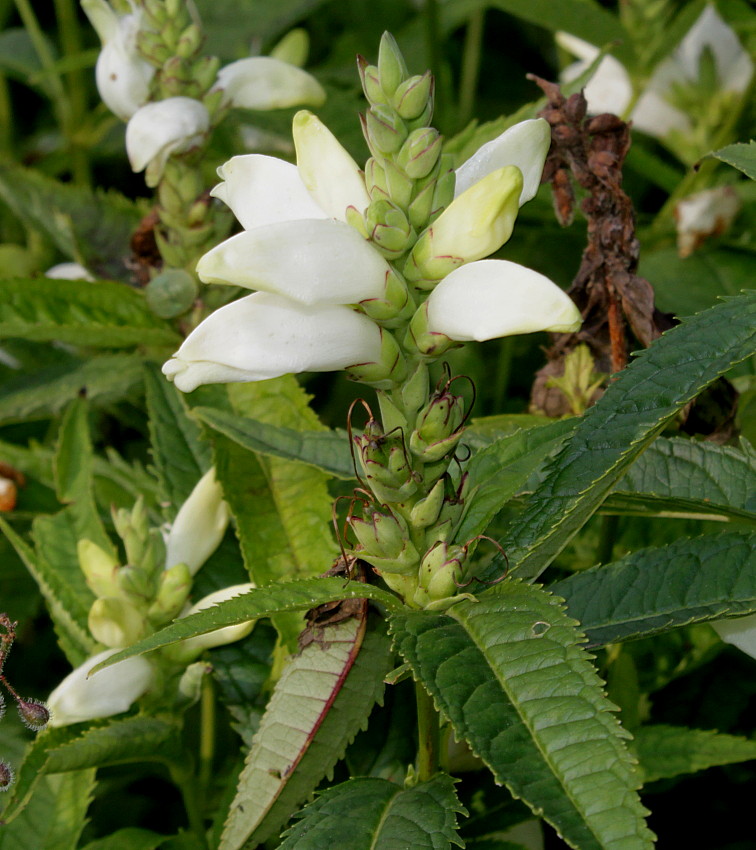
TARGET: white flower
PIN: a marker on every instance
(162, 128)
(189, 649)
(265, 336)
(69, 271)
(123, 76)
(495, 298)
(110, 691)
(263, 82)
(739, 631)
(199, 525)
(611, 90)
(704, 214)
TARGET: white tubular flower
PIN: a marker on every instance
(265, 336)
(123, 77)
(189, 649)
(524, 145)
(262, 82)
(611, 90)
(199, 525)
(110, 691)
(495, 298)
(160, 129)
(69, 271)
(739, 631)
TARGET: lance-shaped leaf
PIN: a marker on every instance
(319, 704)
(653, 590)
(667, 751)
(683, 477)
(325, 450)
(375, 814)
(611, 434)
(299, 595)
(509, 673)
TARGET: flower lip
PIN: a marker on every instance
(263, 82)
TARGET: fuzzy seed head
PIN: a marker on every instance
(6, 776)
(34, 714)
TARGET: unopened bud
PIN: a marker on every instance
(392, 69)
(189, 41)
(385, 130)
(33, 714)
(420, 152)
(174, 586)
(100, 569)
(6, 776)
(429, 343)
(152, 46)
(439, 427)
(440, 567)
(389, 370)
(171, 293)
(371, 85)
(375, 180)
(398, 185)
(425, 512)
(381, 534)
(395, 303)
(389, 229)
(115, 622)
(414, 97)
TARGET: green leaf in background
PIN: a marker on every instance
(130, 838)
(105, 378)
(321, 701)
(91, 227)
(499, 471)
(180, 455)
(631, 413)
(741, 156)
(667, 751)
(688, 477)
(326, 450)
(101, 313)
(375, 814)
(259, 602)
(73, 792)
(509, 673)
(653, 590)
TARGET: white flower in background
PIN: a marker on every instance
(739, 631)
(611, 90)
(704, 214)
(263, 82)
(199, 525)
(123, 76)
(69, 271)
(310, 268)
(110, 691)
(162, 128)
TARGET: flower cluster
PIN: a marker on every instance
(135, 600)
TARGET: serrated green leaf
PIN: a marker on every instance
(667, 751)
(688, 477)
(101, 313)
(299, 595)
(741, 156)
(499, 471)
(130, 838)
(91, 227)
(375, 814)
(319, 704)
(509, 673)
(105, 378)
(73, 793)
(180, 456)
(73, 459)
(653, 590)
(324, 450)
(630, 414)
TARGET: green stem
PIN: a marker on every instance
(428, 735)
(6, 136)
(207, 736)
(607, 539)
(470, 67)
(186, 782)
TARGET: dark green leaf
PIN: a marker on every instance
(130, 838)
(653, 590)
(509, 673)
(375, 814)
(741, 156)
(630, 414)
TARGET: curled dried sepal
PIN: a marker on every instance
(33, 713)
(6, 776)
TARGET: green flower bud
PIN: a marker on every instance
(171, 293)
(420, 152)
(205, 72)
(100, 568)
(152, 47)
(392, 418)
(389, 229)
(155, 13)
(441, 565)
(189, 41)
(391, 67)
(355, 219)
(429, 343)
(387, 547)
(390, 369)
(371, 85)
(443, 193)
(425, 512)
(415, 389)
(375, 180)
(398, 185)
(422, 120)
(385, 130)
(439, 427)
(396, 302)
(414, 97)
(134, 583)
(115, 622)
(174, 586)
(420, 209)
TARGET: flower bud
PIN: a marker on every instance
(398, 185)
(382, 534)
(414, 97)
(199, 525)
(171, 293)
(427, 342)
(389, 229)
(189, 649)
(6, 776)
(153, 46)
(415, 389)
(135, 584)
(440, 566)
(100, 569)
(158, 130)
(439, 427)
(205, 72)
(385, 130)
(425, 512)
(375, 180)
(389, 309)
(173, 590)
(33, 713)
(420, 209)
(293, 48)
(80, 697)
(420, 152)
(189, 41)
(389, 369)
(371, 85)
(391, 67)
(115, 622)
